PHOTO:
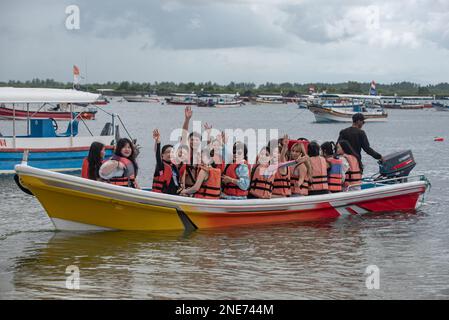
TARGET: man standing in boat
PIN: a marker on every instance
(357, 137)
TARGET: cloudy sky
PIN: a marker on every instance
(227, 40)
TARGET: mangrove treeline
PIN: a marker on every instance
(243, 88)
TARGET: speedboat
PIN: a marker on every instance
(74, 203)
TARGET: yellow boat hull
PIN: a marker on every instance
(74, 203)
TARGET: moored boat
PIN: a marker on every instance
(347, 106)
(441, 105)
(18, 114)
(269, 99)
(417, 102)
(345, 115)
(47, 147)
(140, 98)
(182, 99)
(74, 203)
(220, 101)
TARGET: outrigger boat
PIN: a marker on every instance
(74, 203)
(48, 148)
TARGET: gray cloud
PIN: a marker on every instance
(237, 40)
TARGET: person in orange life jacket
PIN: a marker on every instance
(166, 175)
(93, 162)
(180, 160)
(300, 173)
(121, 169)
(208, 179)
(281, 181)
(235, 178)
(353, 176)
(191, 169)
(261, 185)
(335, 166)
(318, 184)
(193, 141)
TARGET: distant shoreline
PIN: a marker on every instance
(243, 88)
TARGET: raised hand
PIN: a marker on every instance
(188, 112)
(207, 127)
(285, 140)
(156, 135)
(224, 138)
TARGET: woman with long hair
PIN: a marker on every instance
(208, 180)
(122, 168)
(166, 175)
(93, 162)
(235, 178)
(301, 173)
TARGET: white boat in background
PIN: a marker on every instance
(417, 102)
(182, 99)
(144, 98)
(220, 100)
(325, 113)
(269, 99)
(391, 102)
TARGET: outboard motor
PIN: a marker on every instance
(396, 165)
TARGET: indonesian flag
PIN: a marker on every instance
(76, 75)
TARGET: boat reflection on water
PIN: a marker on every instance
(295, 261)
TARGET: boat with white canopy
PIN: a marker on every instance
(49, 148)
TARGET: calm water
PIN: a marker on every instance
(298, 261)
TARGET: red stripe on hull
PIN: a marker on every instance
(405, 202)
(20, 114)
(52, 149)
(402, 203)
(223, 220)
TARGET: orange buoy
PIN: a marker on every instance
(439, 139)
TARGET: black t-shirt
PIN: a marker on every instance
(358, 140)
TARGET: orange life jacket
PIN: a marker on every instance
(163, 179)
(334, 175)
(261, 186)
(210, 189)
(191, 173)
(354, 174)
(232, 189)
(281, 184)
(128, 179)
(85, 169)
(303, 189)
(319, 174)
(181, 169)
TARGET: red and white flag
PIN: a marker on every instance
(76, 75)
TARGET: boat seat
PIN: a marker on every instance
(73, 124)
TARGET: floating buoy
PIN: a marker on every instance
(439, 139)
